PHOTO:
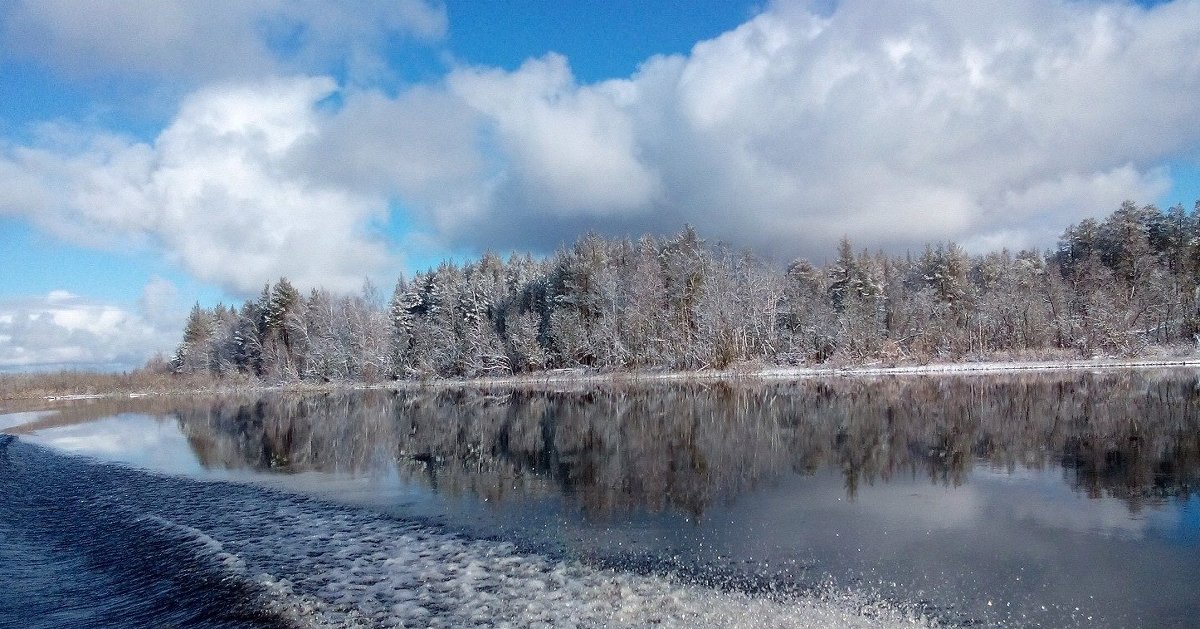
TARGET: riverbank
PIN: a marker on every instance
(21, 392)
(775, 374)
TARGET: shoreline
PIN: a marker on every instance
(743, 374)
(775, 374)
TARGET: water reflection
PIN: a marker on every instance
(1131, 436)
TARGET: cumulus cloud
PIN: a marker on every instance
(61, 328)
(894, 123)
(215, 191)
(571, 149)
(418, 145)
(206, 40)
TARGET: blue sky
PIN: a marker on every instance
(603, 40)
(156, 155)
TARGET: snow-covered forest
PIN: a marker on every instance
(1112, 287)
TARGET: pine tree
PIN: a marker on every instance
(192, 355)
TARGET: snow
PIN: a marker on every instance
(795, 373)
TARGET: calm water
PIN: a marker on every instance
(1028, 500)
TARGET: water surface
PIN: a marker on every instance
(1062, 499)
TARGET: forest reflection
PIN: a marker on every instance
(1132, 436)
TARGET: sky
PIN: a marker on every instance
(159, 153)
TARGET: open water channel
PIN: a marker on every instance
(1054, 499)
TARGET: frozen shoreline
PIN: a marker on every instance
(987, 366)
(742, 374)
(774, 374)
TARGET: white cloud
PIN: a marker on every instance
(889, 122)
(64, 329)
(571, 148)
(59, 296)
(214, 39)
(214, 191)
(418, 145)
(1037, 214)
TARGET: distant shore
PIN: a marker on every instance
(775, 373)
(81, 386)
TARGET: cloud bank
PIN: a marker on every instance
(61, 329)
(214, 191)
(893, 123)
(217, 39)
(994, 124)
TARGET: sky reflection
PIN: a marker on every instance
(143, 441)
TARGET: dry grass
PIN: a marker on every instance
(36, 391)
(26, 386)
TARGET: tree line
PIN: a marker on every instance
(1111, 287)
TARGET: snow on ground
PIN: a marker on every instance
(752, 373)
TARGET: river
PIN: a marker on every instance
(1053, 499)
